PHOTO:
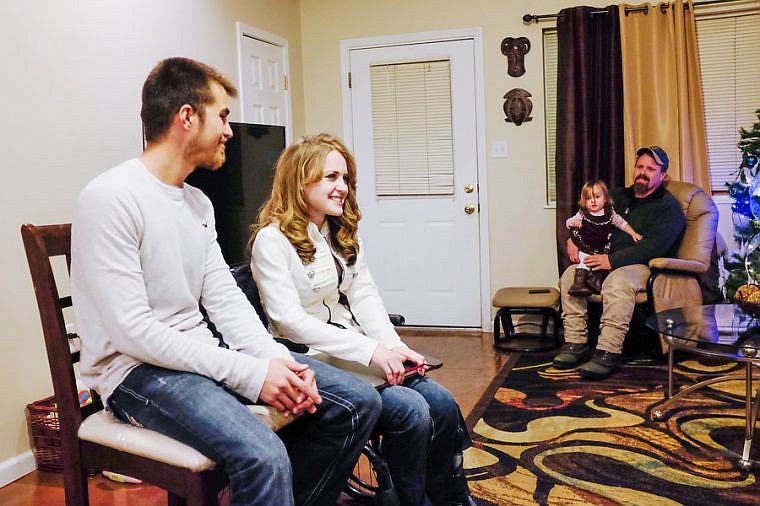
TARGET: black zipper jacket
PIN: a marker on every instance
(658, 217)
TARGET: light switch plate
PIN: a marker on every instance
(499, 149)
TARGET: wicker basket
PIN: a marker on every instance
(746, 298)
(45, 432)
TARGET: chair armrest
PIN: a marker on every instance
(678, 264)
(671, 266)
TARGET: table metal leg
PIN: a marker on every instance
(670, 371)
(659, 412)
(752, 407)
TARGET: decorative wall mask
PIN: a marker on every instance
(517, 106)
(515, 49)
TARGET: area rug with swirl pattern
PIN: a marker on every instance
(545, 436)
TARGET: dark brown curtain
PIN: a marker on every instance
(590, 142)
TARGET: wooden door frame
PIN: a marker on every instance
(243, 30)
(476, 35)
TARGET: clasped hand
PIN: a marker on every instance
(392, 362)
(290, 387)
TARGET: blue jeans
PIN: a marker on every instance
(422, 430)
(307, 462)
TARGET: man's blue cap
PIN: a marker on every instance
(656, 152)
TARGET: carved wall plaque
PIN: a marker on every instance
(517, 106)
(515, 49)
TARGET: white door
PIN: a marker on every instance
(263, 80)
(423, 250)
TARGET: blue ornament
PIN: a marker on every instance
(749, 160)
(742, 204)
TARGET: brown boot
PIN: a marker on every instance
(580, 286)
(595, 280)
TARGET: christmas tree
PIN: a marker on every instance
(739, 266)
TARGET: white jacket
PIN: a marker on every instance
(301, 299)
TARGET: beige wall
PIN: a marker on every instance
(70, 109)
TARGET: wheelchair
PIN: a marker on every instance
(370, 482)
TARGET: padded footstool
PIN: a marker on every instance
(526, 300)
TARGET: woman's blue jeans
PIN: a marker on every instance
(422, 429)
(307, 462)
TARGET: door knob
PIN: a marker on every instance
(468, 188)
(469, 209)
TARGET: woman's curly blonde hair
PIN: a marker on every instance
(299, 165)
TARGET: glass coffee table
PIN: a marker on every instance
(721, 331)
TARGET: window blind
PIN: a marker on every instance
(411, 117)
(731, 87)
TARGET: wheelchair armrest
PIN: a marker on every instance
(372, 374)
(397, 320)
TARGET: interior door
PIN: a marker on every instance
(423, 249)
(264, 93)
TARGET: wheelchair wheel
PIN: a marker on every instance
(370, 482)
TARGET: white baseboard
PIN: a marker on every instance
(16, 467)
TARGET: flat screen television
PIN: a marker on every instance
(240, 186)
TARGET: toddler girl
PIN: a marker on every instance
(590, 230)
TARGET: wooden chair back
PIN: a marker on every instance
(184, 486)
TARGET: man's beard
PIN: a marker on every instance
(640, 186)
(216, 164)
(195, 148)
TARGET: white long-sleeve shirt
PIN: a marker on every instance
(301, 299)
(144, 255)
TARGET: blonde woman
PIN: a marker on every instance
(308, 263)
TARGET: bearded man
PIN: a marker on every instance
(654, 213)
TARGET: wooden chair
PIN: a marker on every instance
(91, 438)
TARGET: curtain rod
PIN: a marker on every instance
(528, 18)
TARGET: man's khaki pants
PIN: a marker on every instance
(618, 301)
